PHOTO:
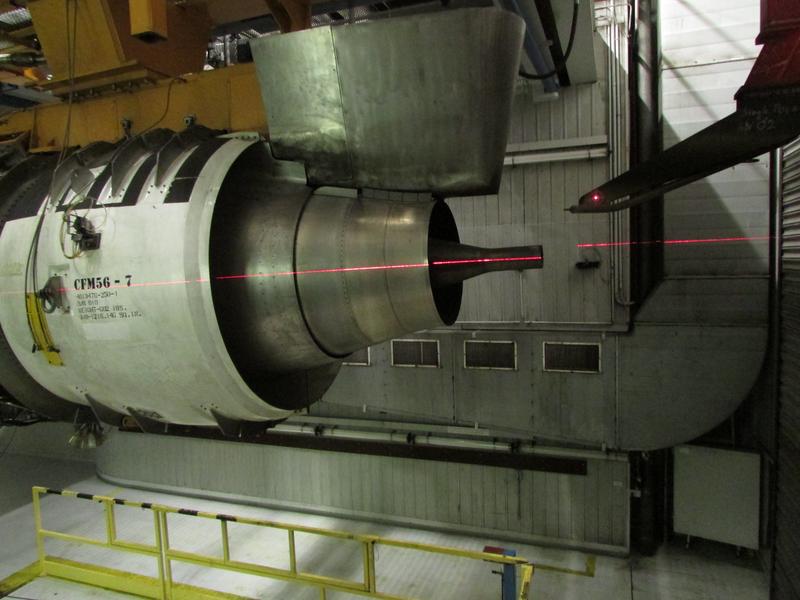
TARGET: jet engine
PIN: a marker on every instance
(210, 282)
(203, 278)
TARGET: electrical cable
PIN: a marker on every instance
(573, 29)
(166, 107)
(31, 265)
(66, 219)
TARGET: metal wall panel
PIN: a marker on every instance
(528, 401)
(708, 49)
(654, 388)
(411, 393)
(786, 574)
(568, 510)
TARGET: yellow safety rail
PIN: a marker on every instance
(40, 330)
(163, 587)
(525, 584)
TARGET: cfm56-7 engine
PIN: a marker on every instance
(202, 278)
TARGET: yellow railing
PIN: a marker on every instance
(163, 587)
(525, 583)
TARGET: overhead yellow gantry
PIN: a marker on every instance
(129, 65)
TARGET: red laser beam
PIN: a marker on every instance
(318, 271)
(676, 242)
(467, 261)
(436, 263)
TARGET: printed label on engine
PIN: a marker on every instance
(99, 299)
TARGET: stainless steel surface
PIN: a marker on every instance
(379, 104)
(252, 235)
(350, 309)
(452, 263)
(697, 345)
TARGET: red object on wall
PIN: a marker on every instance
(778, 15)
(778, 64)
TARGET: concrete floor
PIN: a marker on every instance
(706, 571)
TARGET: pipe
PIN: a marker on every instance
(774, 352)
(533, 47)
(452, 263)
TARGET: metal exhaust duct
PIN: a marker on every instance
(419, 103)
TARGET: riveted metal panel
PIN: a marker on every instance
(786, 575)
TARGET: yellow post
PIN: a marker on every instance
(160, 558)
(525, 585)
(369, 564)
(37, 519)
(162, 517)
(226, 549)
(111, 526)
(292, 553)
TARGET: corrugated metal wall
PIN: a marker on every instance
(708, 51)
(786, 559)
(530, 209)
(588, 511)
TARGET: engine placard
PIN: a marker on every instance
(99, 299)
(104, 305)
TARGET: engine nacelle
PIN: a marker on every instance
(202, 282)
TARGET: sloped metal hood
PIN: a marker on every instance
(378, 104)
